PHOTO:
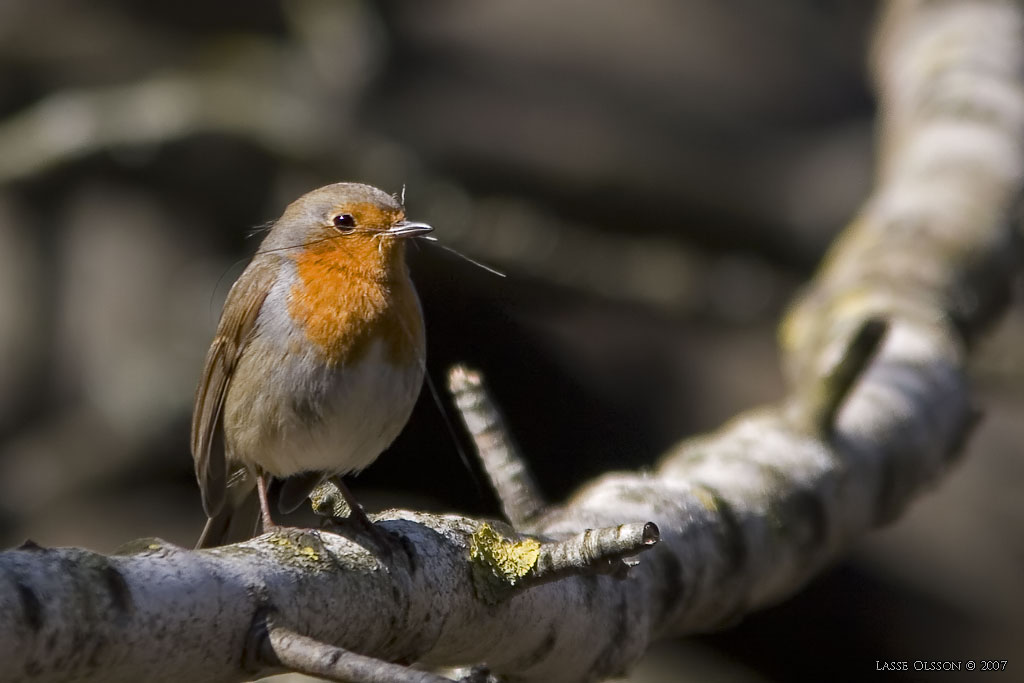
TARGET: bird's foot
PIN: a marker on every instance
(342, 515)
(358, 528)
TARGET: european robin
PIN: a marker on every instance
(317, 360)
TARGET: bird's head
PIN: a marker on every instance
(358, 225)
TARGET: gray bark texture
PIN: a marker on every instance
(724, 524)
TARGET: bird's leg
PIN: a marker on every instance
(261, 491)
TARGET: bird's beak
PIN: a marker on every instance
(408, 229)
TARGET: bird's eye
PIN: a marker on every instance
(344, 222)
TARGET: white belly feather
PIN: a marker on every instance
(362, 414)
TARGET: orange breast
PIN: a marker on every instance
(345, 303)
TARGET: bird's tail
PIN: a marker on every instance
(238, 517)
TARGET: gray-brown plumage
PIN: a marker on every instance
(317, 359)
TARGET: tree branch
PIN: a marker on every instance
(509, 475)
(280, 647)
(746, 514)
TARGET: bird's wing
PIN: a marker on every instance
(233, 333)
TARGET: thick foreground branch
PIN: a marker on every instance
(876, 350)
(445, 591)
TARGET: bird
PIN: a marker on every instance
(317, 360)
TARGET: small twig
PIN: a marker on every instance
(515, 488)
(596, 551)
(504, 562)
(277, 646)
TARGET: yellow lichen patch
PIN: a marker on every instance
(508, 560)
(706, 499)
(298, 546)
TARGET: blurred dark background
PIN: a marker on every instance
(656, 181)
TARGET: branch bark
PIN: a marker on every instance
(520, 498)
(746, 515)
